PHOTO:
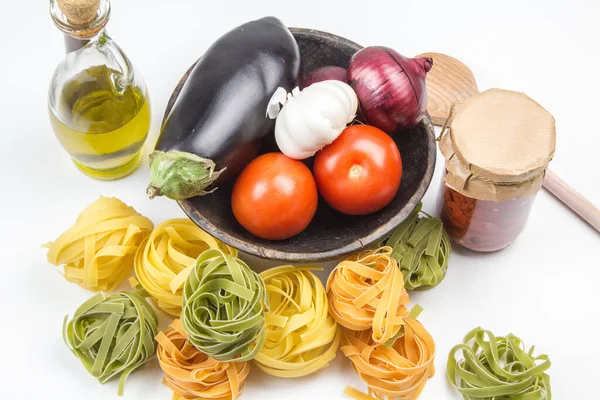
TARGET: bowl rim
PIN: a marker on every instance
(327, 35)
(354, 246)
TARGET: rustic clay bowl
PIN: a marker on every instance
(331, 234)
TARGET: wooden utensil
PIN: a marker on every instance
(450, 81)
(579, 204)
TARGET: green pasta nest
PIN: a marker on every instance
(223, 313)
(422, 248)
(112, 335)
(498, 368)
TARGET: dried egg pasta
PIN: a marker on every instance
(396, 371)
(98, 250)
(301, 336)
(498, 368)
(367, 291)
(112, 335)
(223, 313)
(191, 374)
(166, 258)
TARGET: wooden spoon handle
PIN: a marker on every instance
(575, 201)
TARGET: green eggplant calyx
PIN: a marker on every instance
(180, 175)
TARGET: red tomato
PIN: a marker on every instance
(275, 197)
(360, 172)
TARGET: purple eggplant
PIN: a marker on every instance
(216, 125)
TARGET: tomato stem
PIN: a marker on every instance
(355, 171)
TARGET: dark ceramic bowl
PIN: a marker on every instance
(330, 234)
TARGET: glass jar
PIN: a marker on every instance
(482, 225)
(497, 150)
(98, 103)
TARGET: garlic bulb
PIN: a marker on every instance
(312, 118)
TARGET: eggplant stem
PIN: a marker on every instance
(180, 175)
(152, 191)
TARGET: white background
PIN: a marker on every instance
(543, 288)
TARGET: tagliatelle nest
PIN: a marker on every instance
(367, 291)
(223, 312)
(498, 368)
(422, 248)
(98, 250)
(112, 335)
(301, 336)
(166, 258)
(191, 374)
(397, 371)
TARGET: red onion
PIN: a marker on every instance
(326, 74)
(391, 88)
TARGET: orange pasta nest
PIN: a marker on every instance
(191, 374)
(367, 291)
(399, 371)
(98, 250)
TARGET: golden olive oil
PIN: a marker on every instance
(102, 126)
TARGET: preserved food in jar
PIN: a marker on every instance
(497, 151)
(482, 225)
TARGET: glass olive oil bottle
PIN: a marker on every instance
(98, 104)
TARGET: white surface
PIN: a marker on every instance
(543, 288)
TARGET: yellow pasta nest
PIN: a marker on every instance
(398, 371)
(165, 260)
(191, 374)
(367, 291)
(301, 335)
(98, 250)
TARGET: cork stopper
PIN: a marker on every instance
(79, 12)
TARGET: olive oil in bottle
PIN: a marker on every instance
(102, 128)
(98, 104)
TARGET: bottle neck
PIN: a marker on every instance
(74, 43)
(78, 35)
